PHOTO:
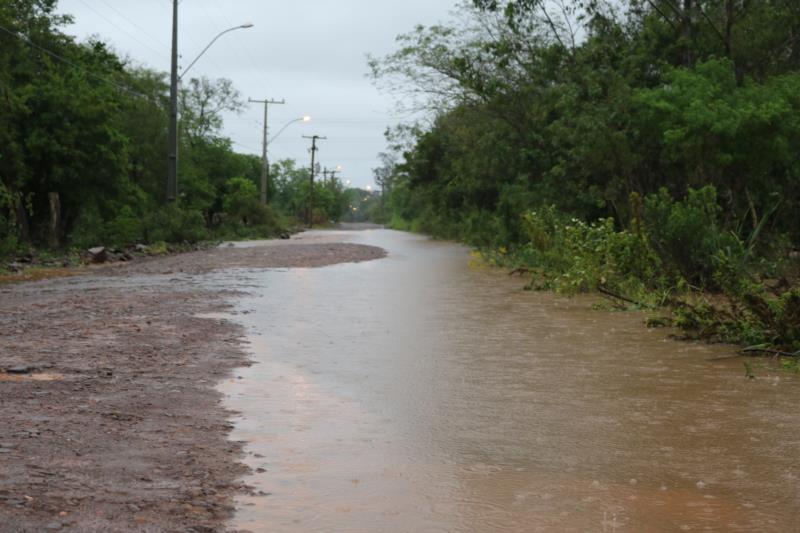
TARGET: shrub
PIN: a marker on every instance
(580, 257)
(687, 235)
(124, 228)
(241, 200)
(89, 229)
(173, 223)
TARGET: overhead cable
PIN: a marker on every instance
(27, 40)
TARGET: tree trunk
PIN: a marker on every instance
(729, 14)
(687, 31)
(55, 219)
(22, 220)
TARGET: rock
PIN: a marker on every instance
(19, 370)
(98, 254)
(285, 235)
(53, 526)
(140, 248)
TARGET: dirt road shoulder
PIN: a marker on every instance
(110, 419)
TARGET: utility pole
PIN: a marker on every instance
(172, 175)
(331, 174)
(334, 172)
(264, 157)
(310, 207)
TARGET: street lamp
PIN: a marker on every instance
(265, 154)
(305, 118)
(172, 176)
(220, 34)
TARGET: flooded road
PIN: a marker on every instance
(413, 393)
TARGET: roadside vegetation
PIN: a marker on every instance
(83, 153)
(647, 149)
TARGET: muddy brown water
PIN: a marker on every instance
(415, 393)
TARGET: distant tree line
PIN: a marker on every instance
(561, 128)
(83, 149)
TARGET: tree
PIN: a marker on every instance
(581, 104)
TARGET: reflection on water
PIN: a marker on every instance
(415, 394)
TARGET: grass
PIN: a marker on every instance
(37, 274)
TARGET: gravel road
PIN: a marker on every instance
(109, 419)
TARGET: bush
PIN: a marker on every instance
(125, 228)
(687, 235)
(89, 229)
(241, 200)
(8, 238)
(579, 257)
(173, 223)
(8, 242)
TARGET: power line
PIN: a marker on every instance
(248, 55)
(245, 146)
(132, 23)
(132, 36)
(215, 27)
(27, 40)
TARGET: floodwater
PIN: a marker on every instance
(417, 394)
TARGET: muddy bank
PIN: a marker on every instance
(110, 420)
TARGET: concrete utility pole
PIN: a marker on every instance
(310, 207)
(172, 173)
(172, 139)
(264, 156)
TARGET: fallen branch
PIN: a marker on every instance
(724, 357)
(607, 292)
(756, 349)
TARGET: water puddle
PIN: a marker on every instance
(415, 394)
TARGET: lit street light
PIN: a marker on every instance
(172, 176)
(220, 34)
(265, 154)
(305, 118)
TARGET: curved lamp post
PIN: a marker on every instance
(265, 155)
(220, 34)
(172, 176)
(305, 118)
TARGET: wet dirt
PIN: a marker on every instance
(30, 377)
(118, 426)
(417, 394)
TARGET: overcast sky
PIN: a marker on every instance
(310, 52)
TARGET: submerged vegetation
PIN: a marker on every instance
(645, 148)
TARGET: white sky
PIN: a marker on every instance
(310, 52)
